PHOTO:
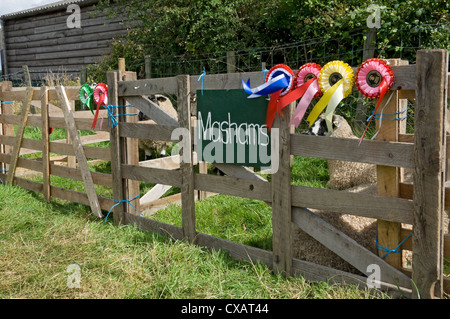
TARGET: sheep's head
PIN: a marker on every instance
(340, 127)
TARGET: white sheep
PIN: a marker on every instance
(344, 174)
(151, 148)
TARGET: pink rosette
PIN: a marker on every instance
(370, 75)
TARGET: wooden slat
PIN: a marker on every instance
(347, 149)
(57, 170)
(79, 153)
(101, 153)
(147, 131)
(19, 93)
(430, 143)
(152, 110)
(55, 122)
(404, 79)
(155, 193)
(151, 175)
(240, 187)
(148, 87)
(345, 247)
(90, 151)
(378, 207)
(238, 171)
(170, 162)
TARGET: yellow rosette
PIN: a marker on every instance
(336, 80)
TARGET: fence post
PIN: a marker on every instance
(429, 181)
(45, 145)
(6, 129)
(116, 152)
(388, 178)
(148, 67)
(231, 62)
(186, 167)
(130, 152)
(121, 63)
(281, 198)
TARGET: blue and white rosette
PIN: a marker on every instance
(279, 81)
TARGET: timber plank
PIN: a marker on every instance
(429, 149)
(379, 207)
(346, 149)
(79, 152)
(282, 197)
(186, 164)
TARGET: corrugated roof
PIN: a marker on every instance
(46, 8)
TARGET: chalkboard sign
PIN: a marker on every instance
(231, 128)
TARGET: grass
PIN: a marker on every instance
(39, 240)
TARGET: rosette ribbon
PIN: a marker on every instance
(335, 81)
(307, 88)
(373, 79)
(86, 96)
(279, 81)
(101, 98)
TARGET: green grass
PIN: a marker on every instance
(39, 240)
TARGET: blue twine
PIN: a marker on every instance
(112, 117)
(377, 116)
(6, 102)
(395, 119)
(123, 201)
(3, 170)
(264, 73)
(388, 251)
(202, 75)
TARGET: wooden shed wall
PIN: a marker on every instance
(44, 42)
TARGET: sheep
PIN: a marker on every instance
(150, 148)
(343, 174)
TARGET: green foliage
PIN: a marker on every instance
(169, 28)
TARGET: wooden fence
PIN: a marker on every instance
(14, 145)
(420, 204)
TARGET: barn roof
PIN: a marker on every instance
(54, 6)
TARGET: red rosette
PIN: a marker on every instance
(101, 98)
(101, 94)
(305, 73)
(282, 69)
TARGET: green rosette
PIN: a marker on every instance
(86, 96)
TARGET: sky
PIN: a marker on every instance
(9, 6)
